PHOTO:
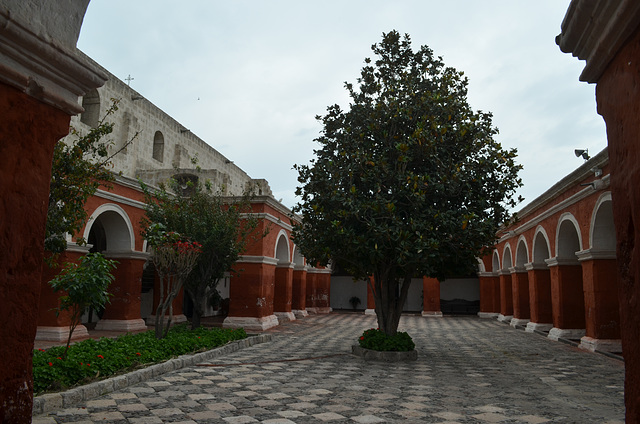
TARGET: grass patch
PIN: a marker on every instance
(92, 360)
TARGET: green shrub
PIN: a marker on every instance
(375, 339)
(90, 360)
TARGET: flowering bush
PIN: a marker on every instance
(95, 359)
(375, 339)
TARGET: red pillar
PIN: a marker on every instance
(371, 300)
(283, 292)
(323, 291)
(539, 298)
(602, 316)
(567, 299)
(299, 292)
(489, 295)
(122, 313)
(50, 326)
(251, 293)
(431, 297)
(312, 280)
(506, 296)
(520, 293)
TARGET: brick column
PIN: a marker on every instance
(299, 292)
(539, 298)
(251, 293)
(489, 295)
(323, 291)
(506, 296)
(567, 299)
(431, 297)
(283, 292)
(50, 326)
(371, 300)
(122, 313)
(602, 309)
(312, 282)
(520, 293)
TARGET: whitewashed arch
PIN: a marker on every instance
(568, 236)
(481, 267)
(522, 252)
(117, 225)
(541, 246)
(282, 251)
(298, 259)
(507, 257)
(602, 232)
(495, 262)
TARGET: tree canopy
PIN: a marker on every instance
(408, 181)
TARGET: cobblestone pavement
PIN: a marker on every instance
(469, 370)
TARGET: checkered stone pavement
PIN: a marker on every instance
(469, 370)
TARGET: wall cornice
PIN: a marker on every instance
(595, 30)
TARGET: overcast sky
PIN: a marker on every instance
(249, 76)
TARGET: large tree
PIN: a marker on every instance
(222, 225)
(408, 181)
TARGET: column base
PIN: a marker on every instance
(369, 311)
(434, 314)
(251, 323)
(312, 311)
(324, 310)
(601, 345)
(61, 334)
(518, 321)
(532, 327)
(488, 314)
(570, 334)
(285, 316)
(300, 313)
(505, 318)
(124, 325)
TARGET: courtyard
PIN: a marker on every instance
(469, 370)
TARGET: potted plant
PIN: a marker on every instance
(355, 301)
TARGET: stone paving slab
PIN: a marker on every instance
(468, 370)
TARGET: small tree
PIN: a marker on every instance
(174, 257)
(78, 169)
(408, 182)
(84, 286)
(224, 228)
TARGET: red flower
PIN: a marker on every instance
(138, 353)
(361, 337)
(50, 364)
(88, 365)
(100, 356)
(59, 357)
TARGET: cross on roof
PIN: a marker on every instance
(128, 79)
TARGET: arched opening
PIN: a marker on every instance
(540, 248)
(506, 258)
(603, 232)
(495, 263)
(522, 254)
(568, 240)
(158, 146)
(282, 249)
(298, 259)
(91, 106)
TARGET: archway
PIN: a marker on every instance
(540, 284)
(283, 292)
(520, 285)
(91, 106)
(506, 289)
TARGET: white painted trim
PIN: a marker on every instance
(495, 255)
(531, 266)
(113, 197)
(568, 216)
(555, 261)
(111, 207)
(540, 230)
(251, 323)
(517, 270)
(604, 198)
(282, 234)
(570, 334)
(522, 240)
(504, 255)
(592, 254)
(121, 325)
(247, 259)
(534, 326)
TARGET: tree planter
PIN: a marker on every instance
(390, 356)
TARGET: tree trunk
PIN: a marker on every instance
(198, 309)
(390, 297)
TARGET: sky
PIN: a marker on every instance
(250, 76)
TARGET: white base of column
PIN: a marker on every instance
(561, 333)
(312, 311)
(251, 323)
(285, 316)
(324, 310)
(488, 314)
(300, 313)
(123, 325)
(434, 314)
(60, 334)
(505, 318)
(534, 326)
(601, 345)
(369, 311)
(518, 321)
